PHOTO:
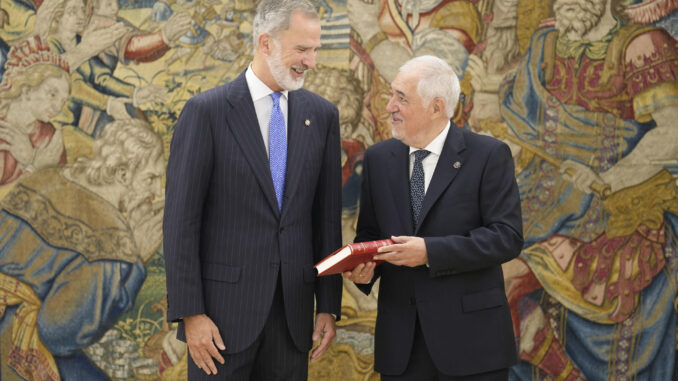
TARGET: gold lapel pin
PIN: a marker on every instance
(307, 122)
(456, 165)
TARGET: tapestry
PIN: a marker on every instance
(90, 92)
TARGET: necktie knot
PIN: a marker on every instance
(276, 97)
(420, 155)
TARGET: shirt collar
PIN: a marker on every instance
(436, 145)
(258, 89)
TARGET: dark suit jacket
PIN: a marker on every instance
(471, 223)
(225, 242)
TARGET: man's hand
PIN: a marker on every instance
(177, 25)
(406, 251)
(117, 109)
(325, 329)
(201, 336)
(150, 93)
(361, 274)
(580, 175)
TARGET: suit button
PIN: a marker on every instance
(282, 229)
(413, 301)
(275, 264)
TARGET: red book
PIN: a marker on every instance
(350, 256)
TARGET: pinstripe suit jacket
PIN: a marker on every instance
(225, 242)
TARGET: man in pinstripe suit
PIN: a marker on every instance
(253, 201)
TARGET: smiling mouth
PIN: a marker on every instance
(299, 69)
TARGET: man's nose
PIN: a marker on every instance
(390, 106)
(309, 59)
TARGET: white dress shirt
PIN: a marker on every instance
(429, 163)
(263, 103)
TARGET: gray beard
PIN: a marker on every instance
(585, 18)
(281, 73)
(130, 201)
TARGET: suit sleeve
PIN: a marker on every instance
(368, 227)
(189, 171)
(500, 237)
(327, 219)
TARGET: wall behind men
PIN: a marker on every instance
(363, 44)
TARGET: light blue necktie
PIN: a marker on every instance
(417, 185)
(277, 148)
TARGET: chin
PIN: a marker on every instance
(290, 83)
(396, 134)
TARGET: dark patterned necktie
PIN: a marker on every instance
(417, 188)
(277, 149)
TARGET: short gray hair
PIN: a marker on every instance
(437, 79)
(274, 16)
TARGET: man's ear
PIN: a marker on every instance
(122, 175)
(265, 43)
(438, 106)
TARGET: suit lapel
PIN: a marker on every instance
(446, 169)
(245, 128)
(400, 185)
(297, 138)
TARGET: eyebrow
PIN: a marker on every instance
(302, 46)
(401, 93)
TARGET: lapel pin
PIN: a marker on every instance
(307, 122)
(456, 165)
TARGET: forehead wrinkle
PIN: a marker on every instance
(305, 46)
(393, 90)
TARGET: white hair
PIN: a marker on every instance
(274, 16)
(586, 17)
(124, 144)
(437, 79)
